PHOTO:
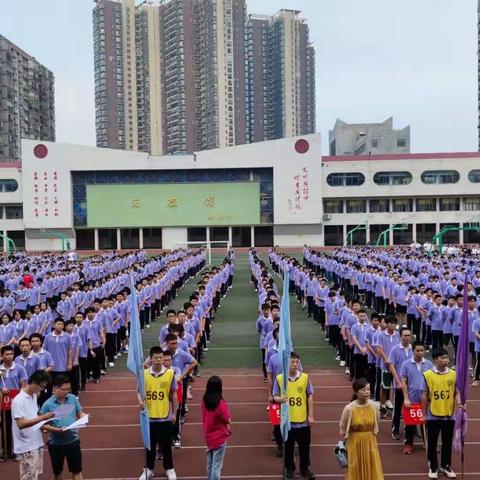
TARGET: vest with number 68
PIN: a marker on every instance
(157, 393)
(297, 397)
(441, 389)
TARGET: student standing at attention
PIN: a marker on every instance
(161, 403)
(216, 421)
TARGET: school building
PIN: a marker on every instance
(281, 192)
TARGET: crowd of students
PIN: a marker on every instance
(75, 323)
(383, 310)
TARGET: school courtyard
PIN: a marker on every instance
(112, 444)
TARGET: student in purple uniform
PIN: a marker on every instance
(262, 318)
(436, 317)
(28, 359)
(398, 355)
(59, 344)
(74, 374)
(360, 350)
(12, 377)
(82, 329)
(7, 331)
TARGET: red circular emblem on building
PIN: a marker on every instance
(302, 146)
(40, 151)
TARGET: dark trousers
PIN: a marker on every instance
(334, 336)
(414, 324)
(321, 316)
(397, 410)
(302, 437)
(6, 429)
(111, 346)
(434, 428)
(372, 377)
(93, 362)
(310, 305)
(360, 366)
(437, 339)
(83, 371)
(410, 433)
(264, 367)
(277, 434)
(74, 376)
(378, 383)
(161, 435)
(477, 367)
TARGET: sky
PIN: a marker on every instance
(415, 60)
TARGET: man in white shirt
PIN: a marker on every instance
(27, 436)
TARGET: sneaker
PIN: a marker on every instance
(177, 443)
(103, 372)
(307, 475)
(475, 383)
(448, 472)
(146, 474)
(395, 435)
(148, 326)
(111, 364)
(279, 452)
(432, 474)
(389, 404)
(383, 412)
(347, 372)
(342, 363)
(171, 475)
(337, 358)
(265, 380)
(408, 449)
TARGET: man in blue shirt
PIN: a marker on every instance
(411, 374)
(64, 445)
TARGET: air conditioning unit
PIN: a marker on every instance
(327, 216)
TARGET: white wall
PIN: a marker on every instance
(297, 235)
(173, 236)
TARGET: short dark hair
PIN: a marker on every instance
(6, 348)
(23, 340)
(439, 352)
(171, 312)
(39, 377)
(36, 335)
(170, 337)
(156, 350)
(417, 343)
(60, 380)
(295, 355)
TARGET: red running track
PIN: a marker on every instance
(112, 446)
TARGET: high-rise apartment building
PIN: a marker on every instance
(27, 101)
(280, 76)
(204, 75)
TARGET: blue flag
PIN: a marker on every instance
(135, 360)
(284, 351)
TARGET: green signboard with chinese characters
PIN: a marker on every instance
(173, 204)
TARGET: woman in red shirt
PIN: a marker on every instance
(216, 426)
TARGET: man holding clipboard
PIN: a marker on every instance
(411, 374)
(63, 444)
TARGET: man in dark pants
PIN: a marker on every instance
(299, 396)
(161, 404)
(439, 400)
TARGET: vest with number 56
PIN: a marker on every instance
(157, 393)
(441, 390)
(297, 397)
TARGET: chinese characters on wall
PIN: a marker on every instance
(301, 190)
(45, 194)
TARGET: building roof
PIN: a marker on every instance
(401, 156)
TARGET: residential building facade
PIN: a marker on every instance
(27, 100)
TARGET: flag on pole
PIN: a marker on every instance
(462, 376)
(135, 360)
(284, 351)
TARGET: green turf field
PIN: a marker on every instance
(235, 342)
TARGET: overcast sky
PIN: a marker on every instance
(414, 59)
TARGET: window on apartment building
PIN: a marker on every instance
(375, 143)
(13, 212)
(402, 205)
(348, 179)
(449, 204)
(392, 178)
(472, 203)
(426, 204)
(436, 177)
(379, 205)
(401, 142)
(474, 176)
(356, 206)
(333, 206)
(8, 185)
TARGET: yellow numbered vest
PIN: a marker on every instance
(157, 393)
(297, 397)
(441, 390)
